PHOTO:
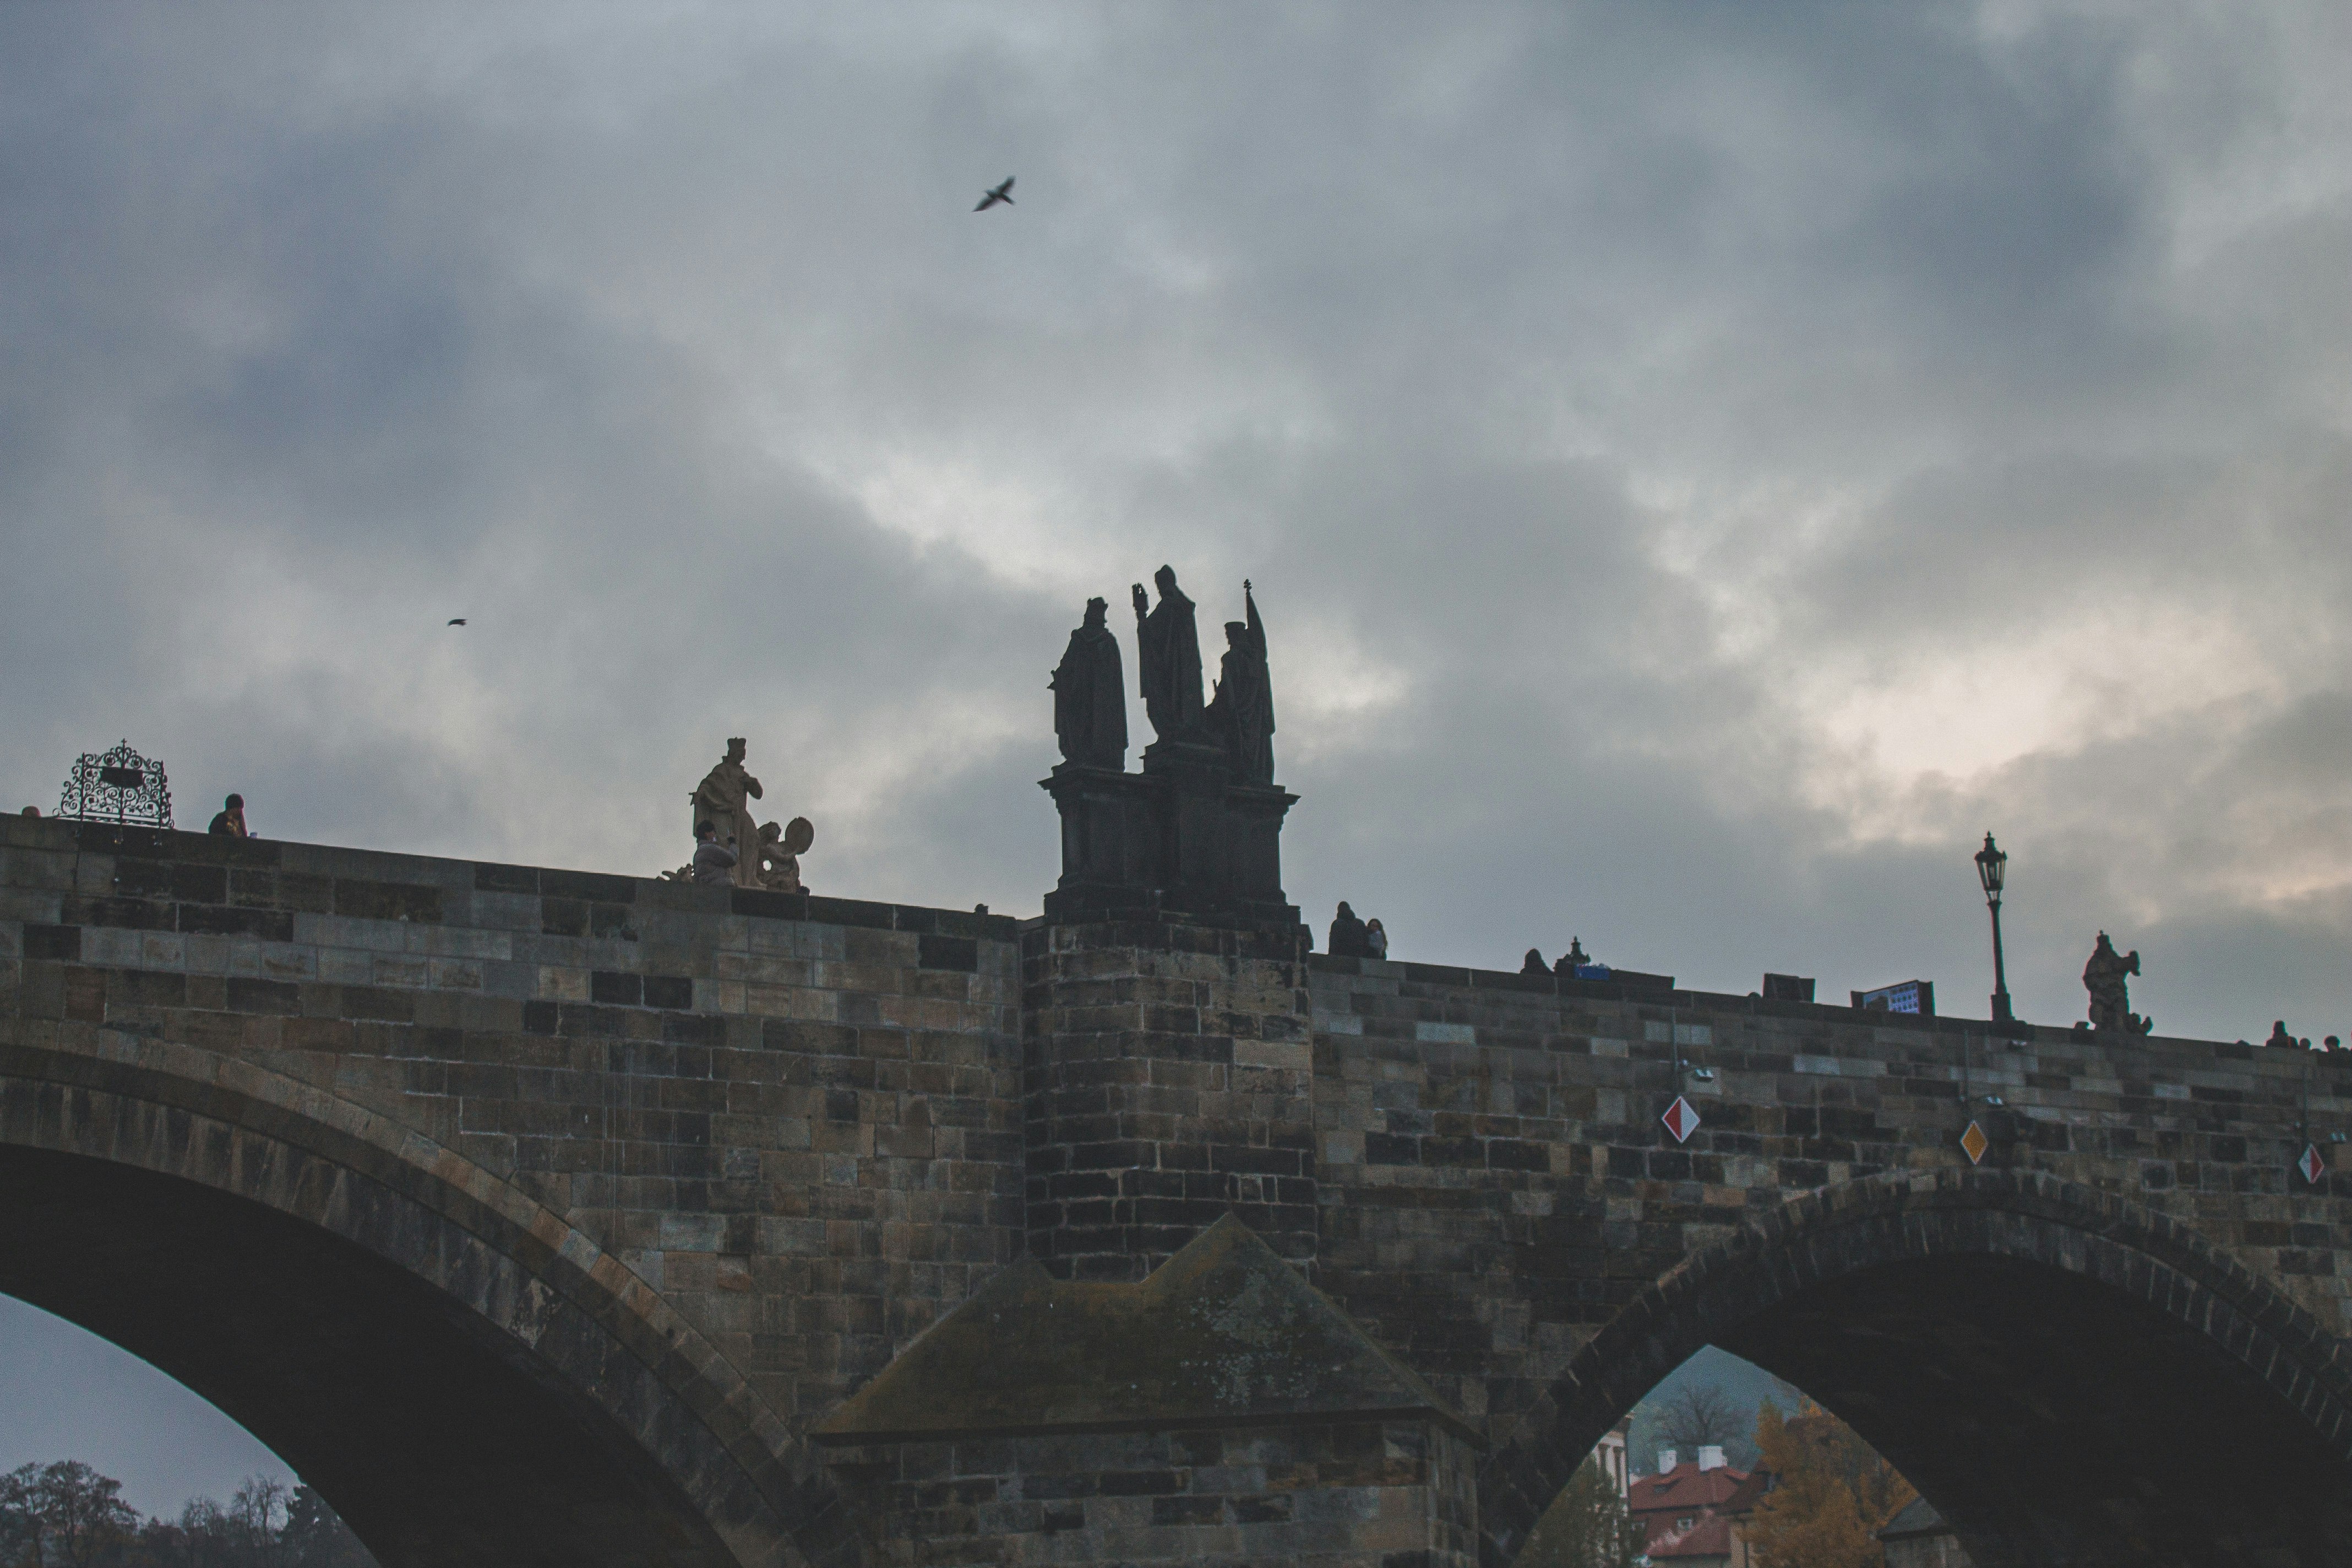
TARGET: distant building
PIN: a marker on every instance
(1690, 1510)
(1918, 1537)
(1610, 1454)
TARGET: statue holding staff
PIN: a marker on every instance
(1242, 715)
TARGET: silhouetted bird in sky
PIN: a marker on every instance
(458, 622)
(1002, 192)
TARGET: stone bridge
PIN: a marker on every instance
(538, 1217)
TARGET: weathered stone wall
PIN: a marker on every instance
(1170, 1081)
(798, 1119)
(810, 1127)
(1395, 1494)
(1495, 1181)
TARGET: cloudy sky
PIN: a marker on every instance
(1701, 466)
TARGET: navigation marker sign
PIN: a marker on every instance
(1680, 1120)
(2314, 1166)
(1973, 1143)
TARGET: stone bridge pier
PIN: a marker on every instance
(538, 1217)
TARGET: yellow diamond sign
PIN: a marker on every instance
(1973, 1142)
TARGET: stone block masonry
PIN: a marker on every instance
(1168, 1082)
(797, 1117)
(1397, 1494)
(1495, 1182)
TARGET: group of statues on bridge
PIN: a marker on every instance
(1090, 685)
(1090, 723)
(731, 847)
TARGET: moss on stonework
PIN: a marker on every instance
(1225, 1332)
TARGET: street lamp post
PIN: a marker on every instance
(1992, 864)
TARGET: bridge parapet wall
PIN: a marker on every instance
(1495, 1181)
(799, 1119)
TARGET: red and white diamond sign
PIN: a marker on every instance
(1680, 1120)
(2314, 1166)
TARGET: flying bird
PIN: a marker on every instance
(1002, 192)
(459, 621)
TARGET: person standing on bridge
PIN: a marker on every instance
(1346, 935)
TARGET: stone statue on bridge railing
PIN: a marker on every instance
(2104, 978)
(1090, 695)
(1167, 652)
(1196, 834)
(1241, 713)
(724, 800)
(778, 858)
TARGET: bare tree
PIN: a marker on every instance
(258, 1515)
(66, 1513)
(1701, 1415)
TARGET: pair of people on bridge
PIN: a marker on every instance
(1355, 938)
(1568, 962)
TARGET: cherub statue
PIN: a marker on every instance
(779, 856)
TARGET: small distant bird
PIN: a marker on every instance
(1002, 192)
(459, 621)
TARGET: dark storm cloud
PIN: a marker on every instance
(1701, 465)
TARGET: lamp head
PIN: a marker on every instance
(1992, 865)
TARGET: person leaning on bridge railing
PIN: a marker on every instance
(229, 821)
(714, 863)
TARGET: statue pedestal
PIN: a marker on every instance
(1179, 839)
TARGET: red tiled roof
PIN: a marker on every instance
(1744, 1497)
(1686, 1487)
(1713, 1501)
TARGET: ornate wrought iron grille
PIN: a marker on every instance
(119, 786)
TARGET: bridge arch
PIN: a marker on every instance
(2070, 1377)
(465, 1376)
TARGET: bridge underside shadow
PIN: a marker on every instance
(396, 1401)
(2070, 1379)
(2054, 1421)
